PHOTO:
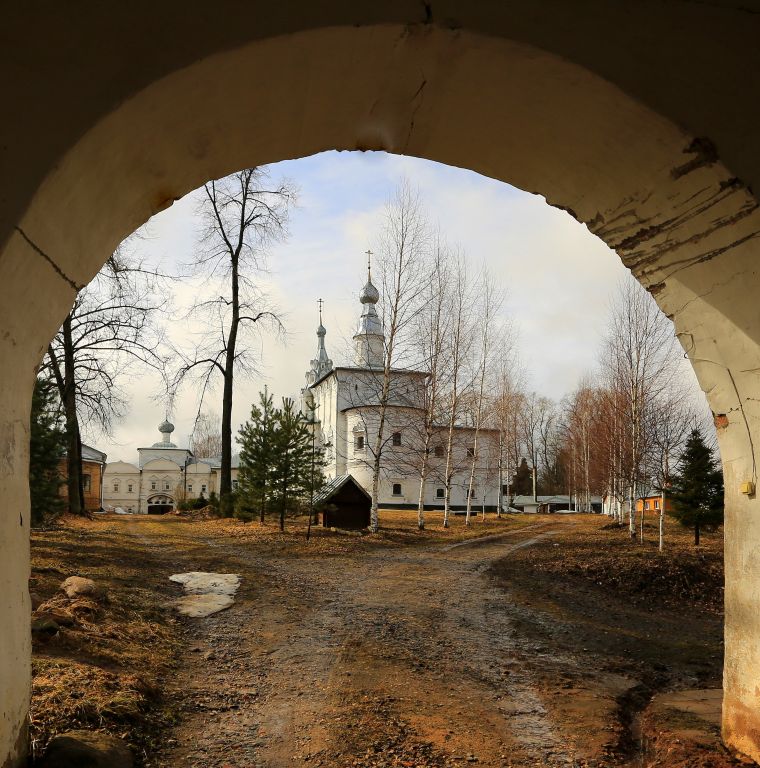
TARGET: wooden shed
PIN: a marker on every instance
(345, 503)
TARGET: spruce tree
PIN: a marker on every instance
(257, 448)
(522, 482)
(292, 467)
(696, 491)
(47, 443)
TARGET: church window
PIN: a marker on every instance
(153, 485)
(129, 487)
(166, 485)
(203, 488)
(440, 492)
(471, 452)
(397, 489)
(116, 487)
(359, 445)
(472, 493)
(396, 437)
(190, 488)
(439, 451)
(87, 482)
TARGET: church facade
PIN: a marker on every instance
(343, 405)
(164, 475)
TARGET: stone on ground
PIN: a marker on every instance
(78, 586)
(86, 749)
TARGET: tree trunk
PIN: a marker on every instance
(449, 465)
(225, 471)
(67, 389)
(423, 483)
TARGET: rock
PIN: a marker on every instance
(77, 586)
(86, 749)
(59, 615)
(44, 626)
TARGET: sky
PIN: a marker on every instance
(557, 276)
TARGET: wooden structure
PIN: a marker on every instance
(345, 503)
(93, 466)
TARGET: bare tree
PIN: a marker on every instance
(459, 349)
(490, 302)
(109, 330)
(243, 214)
(404, 274)
(506, 408)
(640, 362)
(432, 333)
(639, 351)
(207, 435)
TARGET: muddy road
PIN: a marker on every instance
(404, 656)
(549, 641)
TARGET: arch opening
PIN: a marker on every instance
(684, 224)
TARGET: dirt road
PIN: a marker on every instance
(403, 650)
(401, 657)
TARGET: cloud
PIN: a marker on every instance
(557, 275)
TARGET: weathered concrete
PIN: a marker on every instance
(639, 119)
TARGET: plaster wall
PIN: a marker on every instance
(639, 119)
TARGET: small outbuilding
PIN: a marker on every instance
(345, 503)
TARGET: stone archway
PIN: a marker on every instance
(160, 504)
(526, 92)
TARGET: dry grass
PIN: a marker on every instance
(397, 528)
(103, 669)
(602, 553)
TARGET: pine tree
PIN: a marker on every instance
(47, 446)
(292, 466)
(522, 483)
(696, 491)
(257, 441)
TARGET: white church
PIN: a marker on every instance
(342, 402)
(343, 405)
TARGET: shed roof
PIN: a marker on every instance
(334, 485)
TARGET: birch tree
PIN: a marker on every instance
(404, 275)
(639, 350)
(490, 303)
(433, 330)
(459, 348)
